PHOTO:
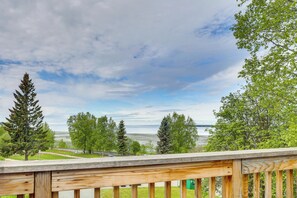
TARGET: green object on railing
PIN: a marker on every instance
(190, 184)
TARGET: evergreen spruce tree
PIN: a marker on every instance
(163, 145)
(24, 124)
(122, 139)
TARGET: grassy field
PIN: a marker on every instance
(74, 154)
(39, 157)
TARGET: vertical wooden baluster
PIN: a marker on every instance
(289, 183)
(212, 187)
(268, 186)
(55, 195)
(183, 188)
(134, 191)
(20, 196)
(76, 193)
(256, 185)
(198, 188)
(151, 190)
(168, 189)
(245, 186)
(116, 192)
(31, 195)
(227, 187)
(43, 184)
(236, 179)
(97, 193)
(279, 184)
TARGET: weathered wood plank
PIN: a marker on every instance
(198, 188)
(96, 192)
(77, 193)
(183, 188)
(151, 190)
(78, 164)
(16, 184)
(68, 180)
(116, 192)
(269, 164)
(289, 184)
(268, 186)
(43, 184)
(212, 187)
(279, 184)
(167, 191)
(227, 187)
(256, 185)
(236, 179)
(245, 186)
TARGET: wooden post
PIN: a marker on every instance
(151, 190)
(227, 186)
(55, 195)
(43, 184)
(168, 189)
(268, 193)
(134, 191)
(256, 185)
(212, 187)
(279, 184)
(76, 193)
(236, 179)
(289, 183)
(97, 193)
(198, 188)
(183, 188)
(20, 196)
(116, 192)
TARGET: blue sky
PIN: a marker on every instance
(134, 60)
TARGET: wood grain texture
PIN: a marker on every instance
(198, 188)
(227, 186)
(69, 180)
(236, 179)
(43, 184)
(151, 190)
(256, 185)
(183, 188)
(289, 184)
(16, 183)
(269, 164)
(167, 190)
(245, 186)
(76, 193)
(268, 186)
(134, 193)
(116, 192)
(212, 187)
(96, 192)
(279, 184)
(55, 195)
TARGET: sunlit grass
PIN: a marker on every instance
(41, 156)
(74, 154)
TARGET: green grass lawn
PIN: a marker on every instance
(74, 154)
(39, 157)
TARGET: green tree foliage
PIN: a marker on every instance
(122, 143)
(50, 136)
(263, 113)
(62, 144)
(82, 128)
(163, 145)
(135, 147)
(105, 134)
(183, 133)
(5, 142)
(24, 124)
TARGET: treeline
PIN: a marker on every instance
(177, 134)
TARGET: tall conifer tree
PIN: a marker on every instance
(163, 145)
(122, 139)
(24, 124)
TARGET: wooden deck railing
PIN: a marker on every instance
(45, 179)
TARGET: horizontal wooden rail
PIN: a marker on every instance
(48, 178)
